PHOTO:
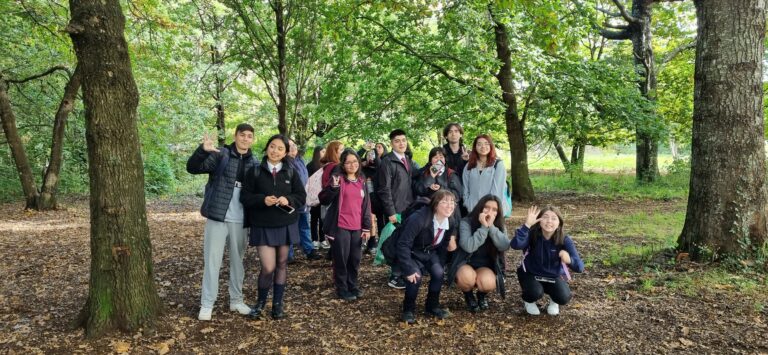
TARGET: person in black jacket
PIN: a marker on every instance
(423, 243)
(316, 223)
(393, 187)
(482, 238)
(436, 175)
(347, 221)
(272, 194)
(224, 226)
(371, 161)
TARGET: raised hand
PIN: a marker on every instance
(565, 257)
(464, 154)
(531, 219)
(336, 179)
(208, 144)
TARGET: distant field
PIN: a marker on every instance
(595, 160)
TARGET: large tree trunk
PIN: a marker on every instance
(17, 147)
(282, 72)
(727, 199)
(47, 198)
(522, 189)
(122, 291)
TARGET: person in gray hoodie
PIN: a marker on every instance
(225, 225)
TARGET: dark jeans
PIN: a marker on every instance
(436, 273)
(346, 251)
(532, 289)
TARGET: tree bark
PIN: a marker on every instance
(47, 197)
(17, 147)
(218, 96)
(282, 72)
(562, 156)
(122, 292)
(522, 189)
(726, 213)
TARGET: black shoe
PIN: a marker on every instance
(314, 255)
(277, 311)
(438, 312)
(357, 292)
(396, 282)
(256, 311)
(482, 301)
(469, 298)
(408, 317)
(346, 295)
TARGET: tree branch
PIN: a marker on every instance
(37, 76)
(615, 35)
(624, 12)
(675, 52)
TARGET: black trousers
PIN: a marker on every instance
(533, 290)
(316, 224)
(436, 273)
(347, 251)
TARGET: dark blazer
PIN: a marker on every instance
(394, 183)
(201, 162)
(414, 245)
(330, 196)
(257, 188)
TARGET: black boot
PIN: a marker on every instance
(432, 306)
(277, 302)
(260, 304)
(409, 311)
(482, 300)
(472, 306)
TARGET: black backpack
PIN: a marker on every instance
(389, 247)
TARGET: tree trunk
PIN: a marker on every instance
(646, 145)
(562, 156)
(47, 198)
(727, 200)
(577, 156)
(522, 189)
(282, 72)
(17, 147)
(122, 291)
(220, 123)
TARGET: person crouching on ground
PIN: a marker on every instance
(482, 236)
(423, 243)
(348, 222)
(547, 255)
(272, 194)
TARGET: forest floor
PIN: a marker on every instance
(628, 300)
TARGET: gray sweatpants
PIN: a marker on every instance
(217, 235)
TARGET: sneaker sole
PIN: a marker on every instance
(396, 287)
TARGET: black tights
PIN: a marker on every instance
(274, 265)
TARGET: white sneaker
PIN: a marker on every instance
(240, 308)
(325, 244)
(315, 245)
(553, 308)
(532, 308)
(205, 313)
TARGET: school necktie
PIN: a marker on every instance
(405, 162)
(274, 172)
(437, 236)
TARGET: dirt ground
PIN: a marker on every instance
(45, 259)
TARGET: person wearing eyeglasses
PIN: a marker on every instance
(272, 192)
(422, 246)
(348, 222)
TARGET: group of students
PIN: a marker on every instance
(456, 206)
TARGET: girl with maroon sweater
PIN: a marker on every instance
(347, 222)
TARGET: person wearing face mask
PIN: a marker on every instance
(435, 176)
(548, 255)
(477, 264)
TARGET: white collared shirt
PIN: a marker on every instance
(444, 226)
(275, 167)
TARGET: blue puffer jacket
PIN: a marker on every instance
(201, 162)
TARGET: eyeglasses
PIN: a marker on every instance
(483, 144)
(351, 163)
(447, 203)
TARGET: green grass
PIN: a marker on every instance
(659, 232)
(597, 161)
(610, 185)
